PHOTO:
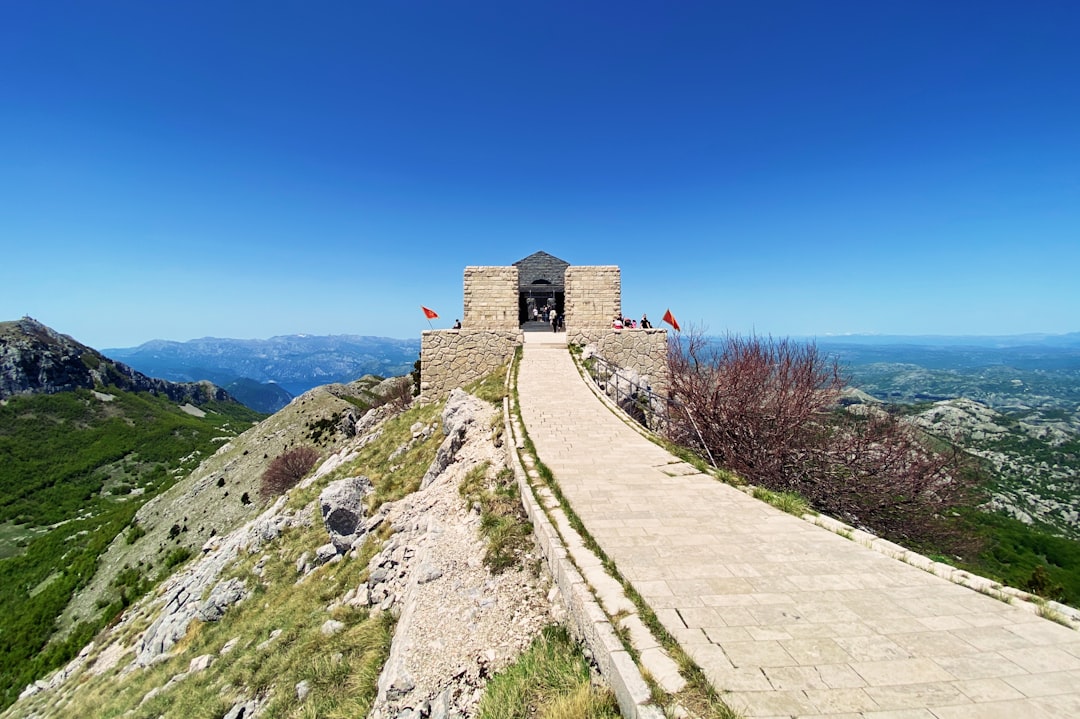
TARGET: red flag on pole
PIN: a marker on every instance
(430, 314)
(670, 319)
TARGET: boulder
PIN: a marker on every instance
(342, 507)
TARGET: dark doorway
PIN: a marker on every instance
(540, 294)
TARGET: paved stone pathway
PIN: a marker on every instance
(789, 619)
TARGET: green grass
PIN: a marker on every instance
(1024, 557)
(502, 518)
(551, 680)
(789, 502)
(491, 388)
(341, 670)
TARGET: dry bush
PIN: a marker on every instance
(400, 394)
(766, 409)
(286, 470)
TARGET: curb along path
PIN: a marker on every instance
(786, 618)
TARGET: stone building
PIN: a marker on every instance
(498, 304)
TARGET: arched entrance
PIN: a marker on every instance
(542, 296)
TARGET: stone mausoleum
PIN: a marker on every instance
(498, 309)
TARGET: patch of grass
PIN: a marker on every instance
(551, 680)
(503, 521)
(491, 388)
(789, 502)
(1045, 611)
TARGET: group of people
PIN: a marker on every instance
(620, 323)
(549, 315)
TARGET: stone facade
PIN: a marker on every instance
(593, 296)
(541, 268)
(454, 358)
(644, 351)
(491, 331)
(491, 298)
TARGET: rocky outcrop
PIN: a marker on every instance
(35, 359)
(181, 597)
(460, 412)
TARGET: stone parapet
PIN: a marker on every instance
(455, 358)
(491, 298)
(593, 296)
(644, 351)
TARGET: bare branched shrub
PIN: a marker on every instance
(400, 394)
(767, 409)
(286, 470)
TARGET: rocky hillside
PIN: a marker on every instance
(1036, 464)
(35, 359)
(223, 491)
(363, 592)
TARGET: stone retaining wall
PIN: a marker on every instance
(644, 351)
(491, 298)
(593, 296)
(454, 358)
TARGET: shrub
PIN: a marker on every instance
(767, 410)
(286, 470)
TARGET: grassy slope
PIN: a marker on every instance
(69, 463)
(551, 681)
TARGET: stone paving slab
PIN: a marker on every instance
(788, 618)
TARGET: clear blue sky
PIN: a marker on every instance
(246, 169)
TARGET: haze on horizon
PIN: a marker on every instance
(788, 168)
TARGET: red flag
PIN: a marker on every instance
(430, 314)
(670, 319)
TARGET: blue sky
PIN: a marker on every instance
(180, 170)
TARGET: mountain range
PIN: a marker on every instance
(35, 359)
(266, 373)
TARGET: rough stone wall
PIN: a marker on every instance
(491, 298)
(542, 266)
(593, 296)
(454, 358)
(644, 351)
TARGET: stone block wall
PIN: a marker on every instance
(455, 358)
(593, 296)
(491, 298)
(644, 351)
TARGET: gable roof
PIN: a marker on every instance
(541, 256)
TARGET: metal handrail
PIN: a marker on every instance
(639, 402)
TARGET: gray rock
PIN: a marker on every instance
(331, 627)
(325, 553)
(342, 507)
(244, 709)
(302, 690)
(461, 410)
(428, 573)
(222, 596)
(200, 663)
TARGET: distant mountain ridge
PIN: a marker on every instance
(295, 362)
(36, 359)
(1030, 339)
